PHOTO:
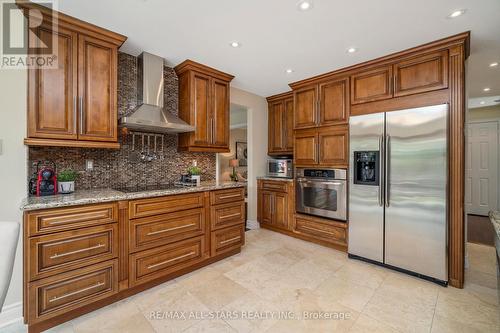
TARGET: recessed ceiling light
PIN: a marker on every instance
(494, 64)
(289, 70)
(457, 13)
(351, 50)
(486, 89)
(304, 5)
(482, 102)
(235, 44)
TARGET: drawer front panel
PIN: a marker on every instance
(52, 254)
(163, 205)
(163, 229)
(323, 231)
(158, 262)
(225, 196)
(227, 215)
(228, 239)
(274, 185)
(57, 295)
(53, 220)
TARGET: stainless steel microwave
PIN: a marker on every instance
(281, 168)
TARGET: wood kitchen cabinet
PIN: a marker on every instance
(204, 103)
(322, 104)
(371, 85)
(280, 124)
(74, 104)
(275, 204)
(322, 146)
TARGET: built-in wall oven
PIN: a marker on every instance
(322, 192)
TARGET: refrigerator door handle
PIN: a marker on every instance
(381, 172)
(387, 166)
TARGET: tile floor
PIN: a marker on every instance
(278, 275)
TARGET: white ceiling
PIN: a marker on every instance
(276, 36)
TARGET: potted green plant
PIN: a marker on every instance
(66, 181)
(194, 171)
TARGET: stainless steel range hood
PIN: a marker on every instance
(150, 115)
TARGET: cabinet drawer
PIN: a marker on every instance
(162, 205)
(61, 219)
(225, 196)
(329, 231)
(274, 185)
(228, 239)
(163, 229)
(158, 262)
(227, 215)
(59, 294)
(57, 253)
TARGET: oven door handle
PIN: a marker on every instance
(334, 183)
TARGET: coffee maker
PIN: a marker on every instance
(44, 180)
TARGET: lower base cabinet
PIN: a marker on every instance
(80, 258)
(322, 230)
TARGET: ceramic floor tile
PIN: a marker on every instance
(216, 293)
(250, 275)
(444, 325)
(459, 305)
(15, 328)
(210, 326)
(402, 314)
(362, 273)
(480, 278)
(366, 324)
(346, 293)
(482, 258)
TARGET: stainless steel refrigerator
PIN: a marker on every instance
(398, 190)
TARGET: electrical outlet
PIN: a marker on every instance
(89, 165)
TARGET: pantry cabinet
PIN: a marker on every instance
(280, 124)
(204, 103)
(73, 103)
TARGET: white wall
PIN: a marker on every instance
(257, 141)
(236, 135)
(13, 168)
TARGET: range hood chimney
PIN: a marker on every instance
(150, 115)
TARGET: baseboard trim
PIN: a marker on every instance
(253, 225)
(11, 314)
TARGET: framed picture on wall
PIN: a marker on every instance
(241, 153)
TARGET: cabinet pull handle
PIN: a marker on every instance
(230, 240)
(81, 115)
(170, 229)
(56, 255)
(75, 110)
(229, 196)
(170, 260)
(230, 215)
(56, 298)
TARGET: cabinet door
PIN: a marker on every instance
(305, 108)
(276, 127)
(288, 114)
(266, 199)
(280, 210)
(333, 146)
(201, 108)
(306, 147)
(425, 73)
(334, 102)
(220, 113)
(97, 61)
(371, 85)
(52, 93)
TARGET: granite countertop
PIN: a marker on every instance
(84, 197)
(276, 178)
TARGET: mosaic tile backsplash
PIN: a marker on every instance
(122, 167)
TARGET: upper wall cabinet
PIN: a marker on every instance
(280, 124)
(421, 74)
(74, 104)
(371, 85)
(204, 103)
(322, 104)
